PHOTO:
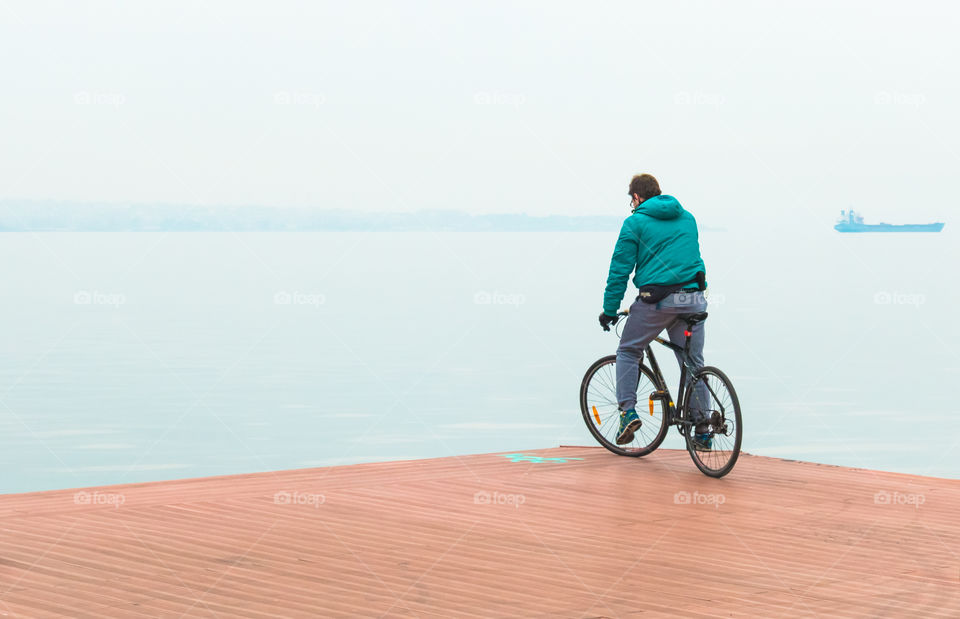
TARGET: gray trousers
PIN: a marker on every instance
(645, 322)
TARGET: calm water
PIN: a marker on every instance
(145, 356)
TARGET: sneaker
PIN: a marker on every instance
(702, 442)
(629, 423)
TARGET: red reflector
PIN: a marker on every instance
(687, 333)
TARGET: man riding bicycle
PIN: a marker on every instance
(660, 241)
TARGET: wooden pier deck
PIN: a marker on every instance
(565, 532)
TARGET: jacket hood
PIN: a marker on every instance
(660, 207)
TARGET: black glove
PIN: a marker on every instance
(606, 321)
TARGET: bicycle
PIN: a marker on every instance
(598, 403)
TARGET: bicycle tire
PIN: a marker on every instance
(734, 404)
(595, 425)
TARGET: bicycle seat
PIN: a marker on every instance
(694, 319)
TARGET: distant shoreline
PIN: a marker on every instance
(16, 216)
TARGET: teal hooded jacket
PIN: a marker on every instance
(660, 241)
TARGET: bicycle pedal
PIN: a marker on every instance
(657, 395)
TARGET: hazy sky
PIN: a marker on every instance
(797, 108)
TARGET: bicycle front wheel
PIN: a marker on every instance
(711, 390)
(598, 403)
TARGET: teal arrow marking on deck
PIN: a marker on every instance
(535, 459)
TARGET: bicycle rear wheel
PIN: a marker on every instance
(598, 403)
(725, 429)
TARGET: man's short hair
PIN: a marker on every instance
(645, 186)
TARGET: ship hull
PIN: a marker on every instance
(847, 227)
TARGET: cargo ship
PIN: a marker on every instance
(851, 221)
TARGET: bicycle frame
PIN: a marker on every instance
(707, 411)
(674, 411)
